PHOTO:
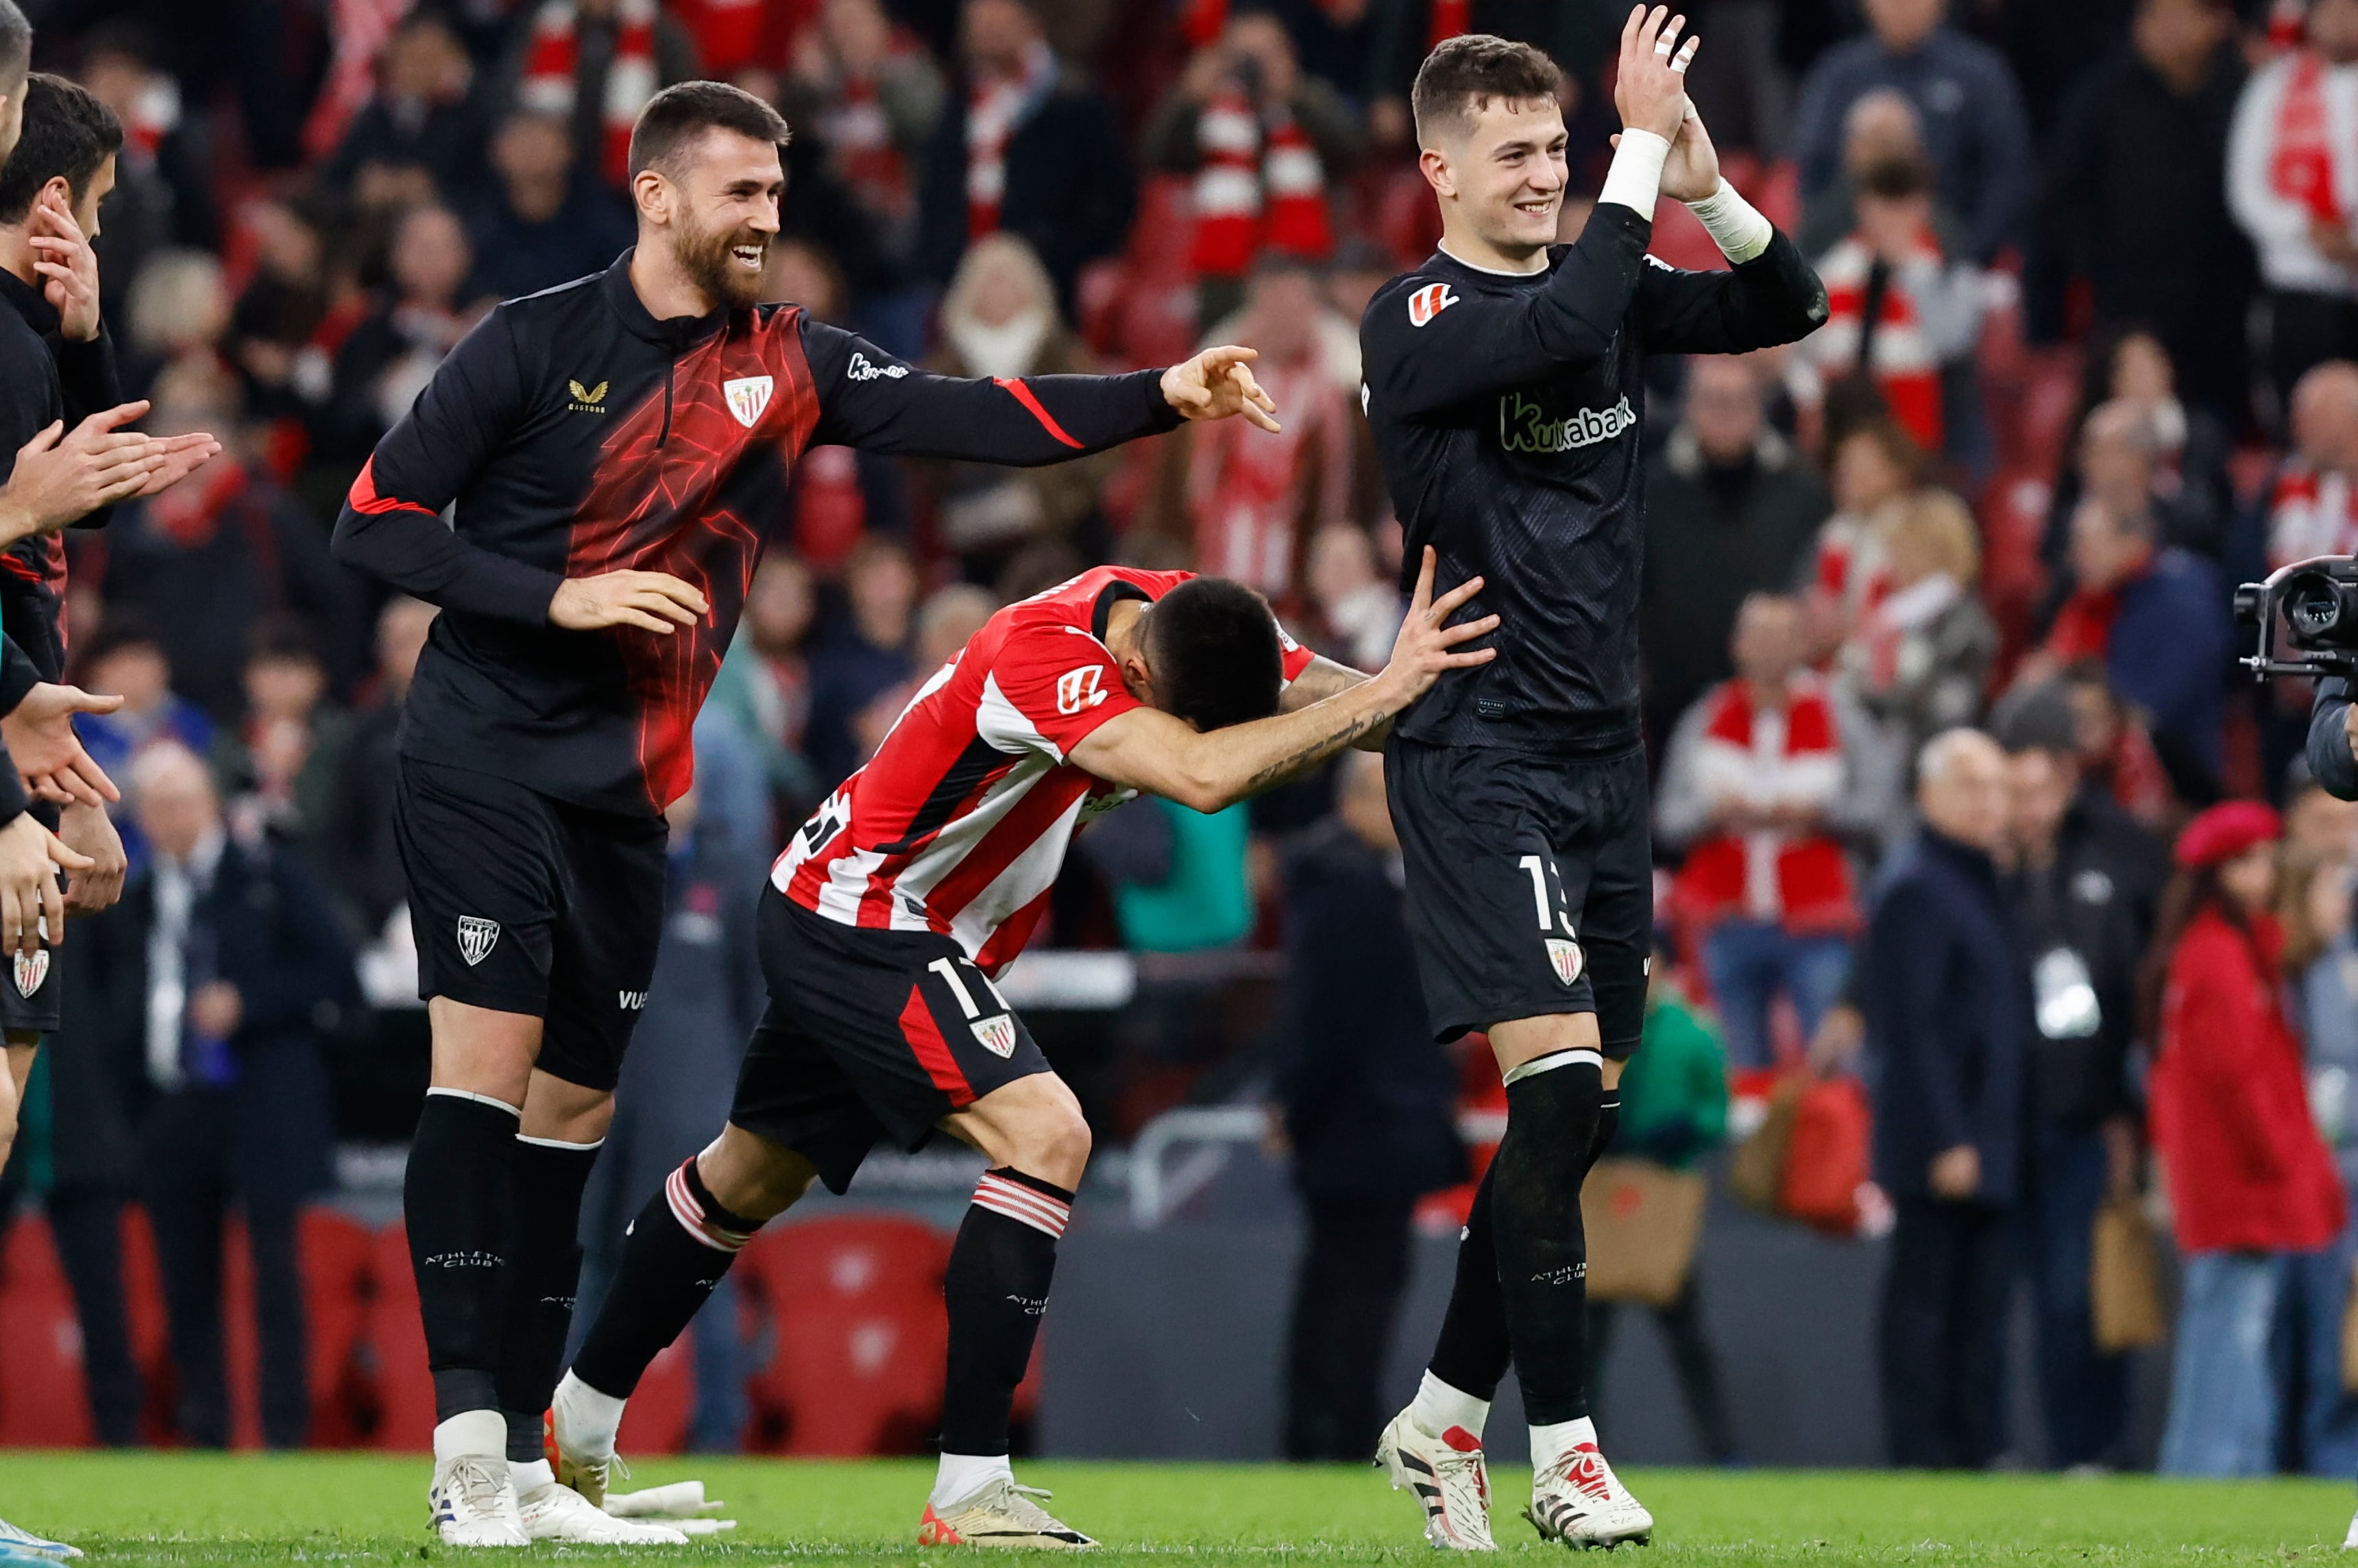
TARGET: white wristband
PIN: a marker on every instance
(1734, 224)
(1636, 176)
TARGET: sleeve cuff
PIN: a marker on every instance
(17, 675)
(1160, 416)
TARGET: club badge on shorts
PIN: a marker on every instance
(1566, 957)
(748, 397)
(32, 968)
(477, 938)
(996, 1035)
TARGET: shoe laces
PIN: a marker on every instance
(1583, 1470)
(477, 1486)
(1016, 1502)
(1461, 1468)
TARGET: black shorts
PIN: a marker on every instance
(522, 903)
(1530, 886)
(870, 1035)
(30, 998)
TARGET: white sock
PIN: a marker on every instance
(477, 1435)
(586, 1419)
(1549, 1444)
(531, 1477)
(1440, 1406)
(963, 1475)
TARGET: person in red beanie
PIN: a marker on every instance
(2250, 1180)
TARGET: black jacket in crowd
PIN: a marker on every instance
(1370, 1100)
(1946, 995)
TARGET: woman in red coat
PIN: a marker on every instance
(2250, 1180)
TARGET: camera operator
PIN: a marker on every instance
(2334, 739)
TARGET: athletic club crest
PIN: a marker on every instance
(1565, 957)
(747, 395)
(1428, 302)
(996, 1035)
(477, 938)
(33, 967)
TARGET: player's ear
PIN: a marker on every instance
(1434, 166)
(651, 194)
(1138, 678)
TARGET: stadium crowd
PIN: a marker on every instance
(2093, 360)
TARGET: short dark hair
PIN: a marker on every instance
(15, 43)
(1897, 177)
(68, 132)
(282, 638)
(1211, 646)
(2036, 718)
(1465, 73)
(677, 115)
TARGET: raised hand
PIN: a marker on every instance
(1650, 91)
(41, 742)
(1422, 649)
(89, 830)
(67, 266)
(62, 477)
(651, 601)
(32, 909)
(1218, 384)
(179, 457)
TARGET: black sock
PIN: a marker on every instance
(1471, 1354)
(997, 1288)
(677, 1249)
(1609, 1122)
(457, 1198)
(544, 1268)
(1551, 1119)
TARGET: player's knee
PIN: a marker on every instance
(752, 1177)
(1053, 1144)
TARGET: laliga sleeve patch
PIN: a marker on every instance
(1428, 302)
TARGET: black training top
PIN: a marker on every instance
(577, 435)
(1507, 409)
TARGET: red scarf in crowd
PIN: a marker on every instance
(1260, 186)
(1800, 882)
(731, 35)
(2302, 167)
(993, 110)
(552, 67)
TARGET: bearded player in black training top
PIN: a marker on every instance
(1503, 383)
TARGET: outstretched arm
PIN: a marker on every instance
(1147, 748)
(1325, 679)
(1770, 296)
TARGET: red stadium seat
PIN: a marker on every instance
(854, 1307)
(404, 1388)
(149, 1327)
(43, 1402)
(663, 1408)
(335, 1252)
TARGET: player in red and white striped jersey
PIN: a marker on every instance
(900, 900)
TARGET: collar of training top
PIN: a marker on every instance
(28, 301)
(676, 332)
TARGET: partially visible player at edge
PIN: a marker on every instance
(614, 453)
(1504, 383)
(891, 913)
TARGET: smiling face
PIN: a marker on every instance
(1501, 179)
(719, 200)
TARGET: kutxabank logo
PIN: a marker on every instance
(1524, 426)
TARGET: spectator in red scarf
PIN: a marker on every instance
(1754, 790)
(2292, 183)
(278, 768)
(2312, 506)
(2251, 1183)
(1262, 142)
(594, 64)
(425, 127)
(392, 353)
(1024, 147)
(865, 88)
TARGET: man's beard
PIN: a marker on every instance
(704, 257)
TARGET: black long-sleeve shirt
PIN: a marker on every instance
(573, 434)
(1508, 408)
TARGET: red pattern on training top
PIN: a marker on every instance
(959, 824)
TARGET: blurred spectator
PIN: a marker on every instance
(2119, 464)
(364, 864)
(869, 90)
(127, 660)
(421, 135)
(212, 984)
(1368, 1104)
(835, 494)
(862, 657)
(287, 323)
(206, 560)
(542, 222)
(2317, 825)
(2251, 1183)
(1025, 149)
(164, 175)
(279, 766)
(2312, 505)
(1881, 126)
(178, 313)
(1920, 657)
(1000, 318)
(1901, 313)
(594, 64)
(1972, 117)
(2116, 752)
(1254, 498)
(1948, 1009)
(2322, 964)
(1728, 490)
(1874, 467)
(391, 355)
(702, 1005)
(2087, 883)
(1674, 1097)
(2157, 617)
(945, 621)
(1262, 142)
(2151, 444)
(2131, 197)
(1753, 790)
(764, 684)
(1359, 611)
(2292, 183)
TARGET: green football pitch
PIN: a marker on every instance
(365, 1509)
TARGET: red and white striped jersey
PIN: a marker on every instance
(960, 823)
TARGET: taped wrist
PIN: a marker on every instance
(1736, 226)
(1636, 178)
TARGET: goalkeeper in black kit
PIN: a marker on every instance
(1504, 383)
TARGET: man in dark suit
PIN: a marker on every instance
(1946, 995)
(209, 988)
(1368, 1101)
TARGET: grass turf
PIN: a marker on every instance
(365, 1509)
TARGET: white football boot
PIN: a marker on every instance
(552, 1512)
(1448, 1478)
(1579, 1501)
(474, 1502)
(998, 1513)
(19, 1545)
